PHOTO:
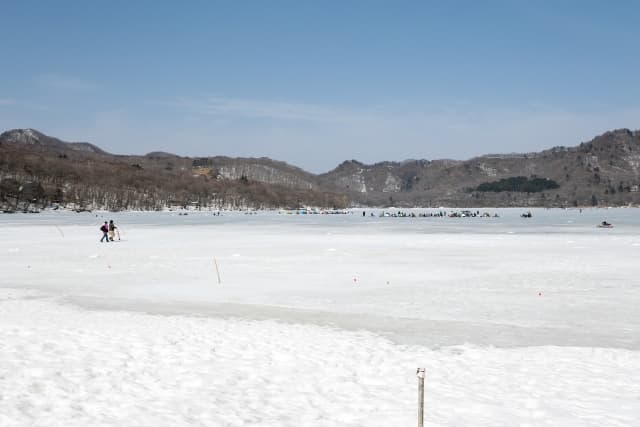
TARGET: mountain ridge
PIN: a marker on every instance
(33, 137)
(604, 170)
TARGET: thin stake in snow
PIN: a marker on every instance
(60, 230)
(420, 374)
(217, 270)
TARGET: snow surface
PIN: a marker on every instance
(320, 320)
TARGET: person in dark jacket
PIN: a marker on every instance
(112, 230)
(105, 232)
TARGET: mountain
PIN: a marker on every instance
(39, 140)
(603, 171)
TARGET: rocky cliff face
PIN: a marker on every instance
(263, 170)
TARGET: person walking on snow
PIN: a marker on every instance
(112, 230)
(105, 232)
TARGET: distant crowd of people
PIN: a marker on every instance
(439, 214)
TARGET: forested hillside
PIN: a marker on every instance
(37, 171)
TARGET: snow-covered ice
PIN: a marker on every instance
(320, 320)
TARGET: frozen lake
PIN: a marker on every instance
(518, 321)
(508, 281)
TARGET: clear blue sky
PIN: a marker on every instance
(315, 83)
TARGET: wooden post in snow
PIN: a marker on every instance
(420, 374)
(217, 270)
